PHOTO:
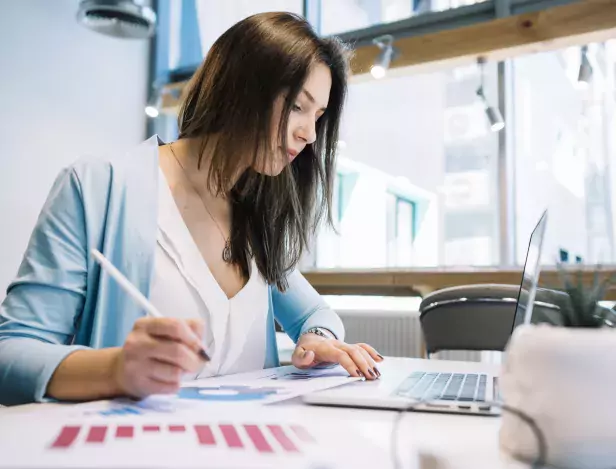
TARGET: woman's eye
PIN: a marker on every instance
(296, 107)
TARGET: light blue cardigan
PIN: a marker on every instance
(59, 301)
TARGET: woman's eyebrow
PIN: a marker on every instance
(311, 99)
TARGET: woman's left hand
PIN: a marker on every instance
(358, 359)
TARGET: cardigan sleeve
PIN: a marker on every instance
(37, 317)
(301, 307)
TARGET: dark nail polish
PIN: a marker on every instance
(377, 371)
(380, 356)
(360, 373)
(371, 373)
(204, 356)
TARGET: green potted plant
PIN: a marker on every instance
(582, 307)
(561, 377)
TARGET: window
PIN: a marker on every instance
(188, 28)
(216, 16)
(424, 165)
(565, 154)
(400, 230)
(339, 16)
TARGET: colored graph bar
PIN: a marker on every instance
(124, 431)
(231, 436)
(96, 434)
(258, 439)
(66, 437)
(205, 435)
(303, 434)
(121, 411)
(177, 428)
(283, 439)
(151, 428)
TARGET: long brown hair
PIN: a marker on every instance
(232, 95)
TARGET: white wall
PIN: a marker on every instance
(65, 91)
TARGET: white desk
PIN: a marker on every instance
(441, 441)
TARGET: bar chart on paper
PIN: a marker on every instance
(224, 440)
(247, 437)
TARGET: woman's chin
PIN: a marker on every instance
(273, 169)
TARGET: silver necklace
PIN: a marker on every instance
(226, 252)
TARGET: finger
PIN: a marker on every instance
(343, 358)
(163, 372)
(302, 358)
(377, 357)
(369, 360)
(174, 353)
(197, 326)
(174, 329)
(364, 363)
(159, 387)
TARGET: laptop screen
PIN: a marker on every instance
(530, 275)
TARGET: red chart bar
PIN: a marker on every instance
(124, 431)
(177, 428)
(283, 439)
(66, 437)
(258, 439)
(231, 436)
(96, 434)
(205, 435)
(303, 434)
(151, 428)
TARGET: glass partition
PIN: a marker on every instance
(564, 152)
(416, 181)
(341, 16)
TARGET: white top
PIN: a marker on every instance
(184, 287)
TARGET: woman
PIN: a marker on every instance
(210, 228)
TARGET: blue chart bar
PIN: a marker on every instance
(226, 393)
(121, 411)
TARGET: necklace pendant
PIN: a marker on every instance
(226, 252)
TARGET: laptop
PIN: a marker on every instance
(444, 390)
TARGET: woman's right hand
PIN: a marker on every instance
(155, 355)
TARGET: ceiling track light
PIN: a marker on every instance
(387, 54)
(493, 114)
(126, 19)
(154, 105)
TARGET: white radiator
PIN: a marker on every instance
(398, 334)
(391, 333)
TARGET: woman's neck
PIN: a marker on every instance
(195, 155)
(186, 152)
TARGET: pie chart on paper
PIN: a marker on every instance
(228, 393)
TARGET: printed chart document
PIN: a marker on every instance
(256, 388)
(265, 386)
(228, 437)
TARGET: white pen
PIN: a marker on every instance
(132, 291)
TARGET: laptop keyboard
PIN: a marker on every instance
(466, 387)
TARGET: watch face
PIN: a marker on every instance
(320, 332)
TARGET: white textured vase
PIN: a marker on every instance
(565, 379)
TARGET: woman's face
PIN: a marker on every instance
(309, 106)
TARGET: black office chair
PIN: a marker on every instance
(480, 317)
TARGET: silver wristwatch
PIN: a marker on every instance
(320, 332)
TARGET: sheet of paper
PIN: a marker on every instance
(258, 388)
(231, 437)
(264, 386)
